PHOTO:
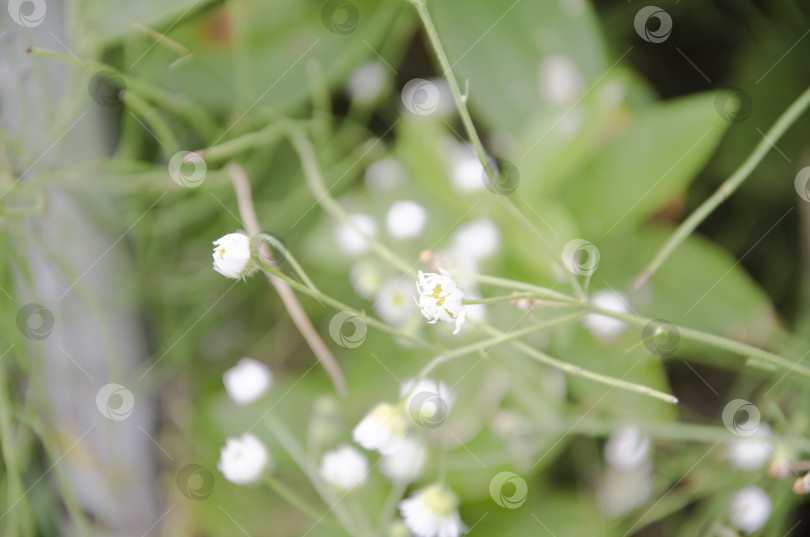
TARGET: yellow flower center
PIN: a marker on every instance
(436, 291)
(221, 253)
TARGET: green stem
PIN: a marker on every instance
(735, 347)
(728, 187)
(165, 137)
(461, 104)
(509, 298)
(296, 452)
(390, 508)
(506, 283)
(266, 237)
(294, 499)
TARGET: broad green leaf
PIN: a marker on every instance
(654, 159)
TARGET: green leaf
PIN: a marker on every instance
(641, 169)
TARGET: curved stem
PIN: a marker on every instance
(735, 347)
(506, 283)
(478, 147)
(266, 237)
(728, 187)
(294, 499)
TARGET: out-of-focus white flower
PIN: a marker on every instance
(247, 381)
(606, 329)
(243, 460)
(344, 468)
(750, 452)
(440, 299)
(366, 277)
(394, 302)
(385, 174)
(383, 429)
(406, 465)
(624, 489)
(427, 385)
(406, 219)
(466, 172)
(235, 256)
(749, 509)
(477, 240)
(432, 512)
(367, 82)
(559, 79)
(352, 241)
(627, 448)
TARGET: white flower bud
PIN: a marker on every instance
(749, 509)
(406, 465)
(247, 381)
(433, 512)
(352, 241)
(606, 329)
(235, 256)
(243, 460)
(382, 429)
(344, 468)
(406, 219)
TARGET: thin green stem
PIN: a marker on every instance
(296, 452)
(390, 508)
(266, 237)
(294, 499)
(735, 347)
(162, 132)
(509, 298)
(728, 187)
(461, 104)
(240, 144)
(506, 283)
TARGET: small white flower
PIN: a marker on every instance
(385, 174)
(366, 277)
(344, 468)
(433, 512)
(440, 299)
(247, 381)
(406, 465)
(750, 452)
(749, 509)
(559, 79)
(624, 489)
(235, 256)
(367, 82)
(627, 448)
(406, 219)
(394, 304)
(352, 241)
(466, 171)
(606, 329)
(427, 385)
(382, 429)
(243, 460)
(476, 240)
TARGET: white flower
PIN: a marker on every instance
(440, 299)
(366, 277)
(352, 241)
(394, 304)
(624, 489)
(247, 381)
(234, 256)
(367, 82)
(243, 460)
(432, 512)
(466, 171)
(429, 386)
(476, 240)
(627, 448)
(385, 174)
(749, 509)
(750, 452)
(606, 329)
(344, 468)
(406, 465)
(406, 219)
(559, 79)
(382, 429)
